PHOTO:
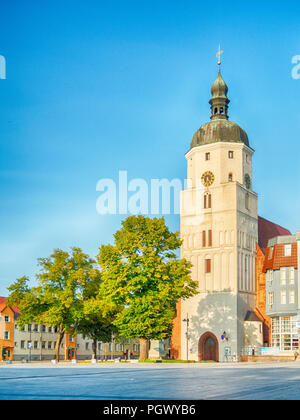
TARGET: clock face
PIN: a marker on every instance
(248, 181)
(208, 179)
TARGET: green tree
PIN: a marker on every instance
(57, 299)
(93, 319)
(144, 279)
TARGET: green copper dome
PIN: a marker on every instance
(219, 129)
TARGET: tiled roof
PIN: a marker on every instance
(276, 260)
(3, 305)
(268, 230)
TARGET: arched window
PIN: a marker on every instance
(230, 177)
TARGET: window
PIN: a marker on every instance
(116, 347)
(283, 276)
(292, 275)
(36, 328)
(22, 344)
(29, 327)
(43, 344)
(121, 347)
(70, 339)
(49, 344)
(207, 156)
(134, 347)
(207, 201)
(109, 347)
(208, 266)
(6, 318)
(209, 238)
(230, 154)
(221, 110)
(43, 328)
(287, 250)
(271, 253)
(247, 202)
(270, 276)
(292, 297)
(35, 344)
(86, 346)
(230, 177)
(283, 297)
(6, 335)
(50, 329)
(270, 298)
(203, 238)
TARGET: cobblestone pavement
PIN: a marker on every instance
(149, 381)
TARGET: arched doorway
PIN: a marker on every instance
(208, 347)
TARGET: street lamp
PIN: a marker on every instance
(187, 336)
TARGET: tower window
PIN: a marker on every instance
(207, 201)
(209, 238)
(216, 111)
(230, 154)
(230, 177)
(222, 110)
(207, 266)
(207, 156)
(203, 238)
(247, 203)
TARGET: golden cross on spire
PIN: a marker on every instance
(219, 55)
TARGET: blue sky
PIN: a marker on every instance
(95, 87)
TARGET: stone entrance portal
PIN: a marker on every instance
(208, 347)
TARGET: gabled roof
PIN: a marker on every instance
(268, 230)
(252, 316)
(3, 306)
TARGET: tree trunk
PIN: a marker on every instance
(144, 348)
(94, 348)
(60, 337)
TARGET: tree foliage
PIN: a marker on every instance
(63, 282)
(143, 278)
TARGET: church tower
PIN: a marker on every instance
(219, 232)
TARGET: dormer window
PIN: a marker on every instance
(288, 250)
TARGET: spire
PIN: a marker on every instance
(219, 101)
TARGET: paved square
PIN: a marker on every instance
(141, 381)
